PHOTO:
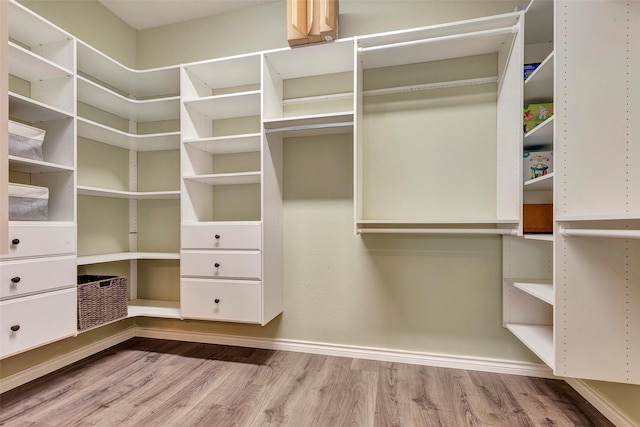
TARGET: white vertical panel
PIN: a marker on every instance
(4, 117)
(358, 137)
(272, 91)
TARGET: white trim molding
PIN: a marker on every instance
(44, 368)
(369, 353)
(601, 403)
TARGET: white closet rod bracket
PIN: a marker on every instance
(616, 234)
(483, 231)
(485, 33)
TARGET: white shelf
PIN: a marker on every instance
(30, 29)
(540, 135)
(226, 178)
(227, 72)
(20, 164)
(32, 111)
(246, 143)
(613, 217)
(31, 67)
(543, 237)
(149, 110)
(539, 339)
(319, 124)
(149, 142)
(321, 59)
(538, 87)
(132, 195)
(427, 223)
(543, 183)
(125, 256)
(153, 82)
(539, 28)
(227, 106)
(438, 42)
(154, 308)
(541, 289)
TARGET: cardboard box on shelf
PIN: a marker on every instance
(311, 21)
(530, 68)
(536, 164)
(537, 218)
(534, 114)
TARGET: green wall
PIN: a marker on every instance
(430, 294)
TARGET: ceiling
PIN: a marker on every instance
(143, 14)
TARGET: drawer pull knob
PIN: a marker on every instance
(217, 301)
(15, 279)
(217, 236)
(15, 242)
(216, 265)
(15, 328)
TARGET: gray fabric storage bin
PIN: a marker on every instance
(25, 141)
(28, 203)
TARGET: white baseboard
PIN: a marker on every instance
(400, 356)
(49, 366)
(601, 403)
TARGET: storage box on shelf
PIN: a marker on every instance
(101, 299)
(404, 88)
(130, 118)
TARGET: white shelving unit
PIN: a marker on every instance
(40, 305)
(571, 296)
(231, 195)
(406, 178)
(139, 100)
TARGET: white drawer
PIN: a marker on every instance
(229, 264)
(22, 277)
(222, 236)
(36, 320)
(41, 239)
(234, 301)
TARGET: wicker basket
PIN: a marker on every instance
(101, 299)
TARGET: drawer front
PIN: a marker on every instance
(19, 278)
(233, 301)
(228, 264)
(222, 236)
(41, 239)
(36, 320)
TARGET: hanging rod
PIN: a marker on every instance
(485, 33)
(502, 231)
(391, 90)
(619, 234)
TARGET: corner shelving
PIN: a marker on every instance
(129, 147)
(539, 339)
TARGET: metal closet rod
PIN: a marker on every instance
(586, 232)
(484, 33)
(392, 90)
(500, 231)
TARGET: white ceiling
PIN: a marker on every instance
(142, 14)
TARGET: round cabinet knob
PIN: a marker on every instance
(15, 242)
(217, 236)
(217, 300)
(216, 265)
(15, 328)
(15, 279)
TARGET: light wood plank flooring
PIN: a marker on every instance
(146, 382)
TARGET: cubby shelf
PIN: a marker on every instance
(541, 135)
(31, 110)
(538, 87)
(542, 183)
(317, 124)
(154, 308)
(32, 67)
(227, 106)
(132, 195)
(246, 143)
(539, 288)
(20, 164)
(226, 178)
(125, 256)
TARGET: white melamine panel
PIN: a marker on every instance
(598, 308)
(24, 277)
(21, 164)
(132, 195)
(126, 256)
(222, 236)
(538, 87)
(31, 67)
(320, 124)
(597, 149)
(37, 320)
(149, 110)
(36, 239)
(31, 110)
(541, 135)
(237, 301)
(222, 264)
(226, 178)
(246, 143)
(316, 60)
(542, 183)
(541, 289)
(154, 308)
(145, 142)
(538, 338)
(539, 22)
(226, 106)
(154, 82)
(222, 73)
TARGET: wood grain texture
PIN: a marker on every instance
(147, 382)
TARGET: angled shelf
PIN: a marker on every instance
(539, 339)
(137, 142)
(538, 87)
(543, 237)
(542, 183)
(541, 289)
(541, 135)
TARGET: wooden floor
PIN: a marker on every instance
(145, 382)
